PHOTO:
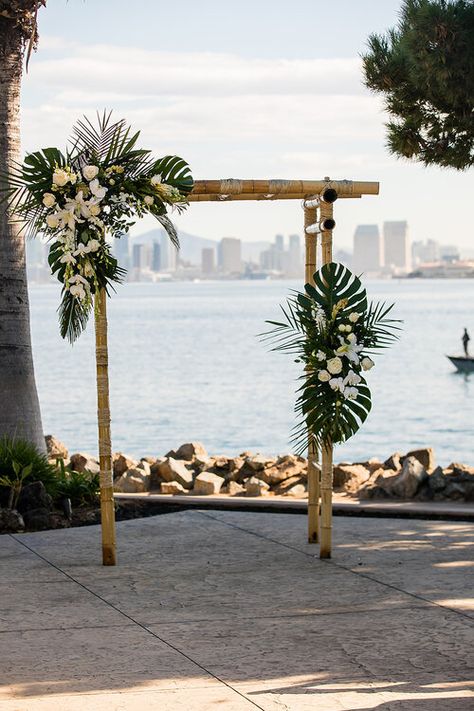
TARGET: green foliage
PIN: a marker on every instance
(15, 482)
(21, 461)
(331, 329)
(99, 186)
(82, 488)
(425, 70)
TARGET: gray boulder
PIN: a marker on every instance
(81, 462)
(425, 456)
(189, 450)
(172, 487)
(11, 521)
(34, 496)
(175, 470)
(208, 483)
(408, 482)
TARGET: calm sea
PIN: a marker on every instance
(186, 364)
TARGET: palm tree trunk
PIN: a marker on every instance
(19, 410)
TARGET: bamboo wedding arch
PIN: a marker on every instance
(318, 197)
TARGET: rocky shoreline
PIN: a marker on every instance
(190, 470)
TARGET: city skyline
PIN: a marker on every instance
(278, 105)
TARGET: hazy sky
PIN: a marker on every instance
(260, 89)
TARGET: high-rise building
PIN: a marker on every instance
(230, 255)
(295, 263)
(368, 255)
(121, 250)
(207, 260)
(156, 257)
(138, 256)
(168, 254)
(424, 252)
(396, 245)
(279, 243)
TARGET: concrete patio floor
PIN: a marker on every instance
(233, 610)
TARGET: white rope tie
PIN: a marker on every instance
(314, 202)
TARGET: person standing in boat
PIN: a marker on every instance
(465, 341)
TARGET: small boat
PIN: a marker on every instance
(464, 364)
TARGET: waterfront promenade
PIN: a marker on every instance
(233, 610)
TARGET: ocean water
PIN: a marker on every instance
(186, 364)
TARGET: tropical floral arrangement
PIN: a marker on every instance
(334, 331)
(96, 188)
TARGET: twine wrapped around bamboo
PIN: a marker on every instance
(233, 189)
(310, 216)
(103, 418)
(326, 212)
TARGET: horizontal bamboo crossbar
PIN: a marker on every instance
(232, 189)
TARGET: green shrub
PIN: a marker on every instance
(82, 488)
(17, 453)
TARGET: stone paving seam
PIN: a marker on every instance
(337, 565)
(139, 624)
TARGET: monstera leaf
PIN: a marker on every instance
(332, 328)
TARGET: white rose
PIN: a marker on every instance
(320, 355)
(90, 172)
(354, 316)
(148, 200)
(334, 365)
(337, 384)
(60, 177)
(52, 221)
(93, 245)
(367, 363)
(324, 376)
(155, 180)
(48, 199)
(342, 327)
(94, 210)
(348, 328)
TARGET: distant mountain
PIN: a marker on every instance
(191, 245)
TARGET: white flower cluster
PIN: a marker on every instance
(349, 349)
(66, 213)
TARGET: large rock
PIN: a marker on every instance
(189, 450)
(426, 457)
(175, 470)
(350, 477)
(208, 483)
(144, 466)
(34, 496)
(284, 468)
(81, 462)
(133, 481)
(121, 462)
(378, 485)
(410, 479)
(39, 519)
(258, 462)
(235, 489)
(256, 487)
(285, 486)
(172, 487)
(55, 449)
(393, 462)
(11, 521)
(437, 481)
(459, 482)
(298, 491)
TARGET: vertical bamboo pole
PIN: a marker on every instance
(326, 211)
(310, 217)
(103, 419)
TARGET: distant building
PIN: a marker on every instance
(138, 256)
(423, 252)
(207, 260)
(295, 262)
(279, 243)
(368, 255)
(156, 257)
(121, 250)
(168, 254)
(449, 253)
(396, 245)
(230, 255)
(344, 257)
